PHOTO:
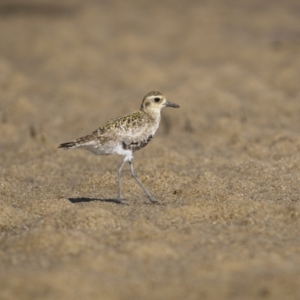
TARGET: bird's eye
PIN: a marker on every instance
(156, 99)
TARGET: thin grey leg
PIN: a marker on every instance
(140, 183)
(120, 181)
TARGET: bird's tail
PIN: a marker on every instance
(67, 146)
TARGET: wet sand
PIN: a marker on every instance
(225, 166)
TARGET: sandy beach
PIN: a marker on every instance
(225, 166)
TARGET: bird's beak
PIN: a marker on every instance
(170, 104)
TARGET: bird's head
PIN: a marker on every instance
(155, 101)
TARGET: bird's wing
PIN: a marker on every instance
(128, 126)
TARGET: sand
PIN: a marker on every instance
(225, 166)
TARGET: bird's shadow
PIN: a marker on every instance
(85, 199)
(116, 201)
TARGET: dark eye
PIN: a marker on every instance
(156, 99)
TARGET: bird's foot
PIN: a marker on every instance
(153, 200)
(122, 201)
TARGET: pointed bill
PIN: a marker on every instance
(170, 104)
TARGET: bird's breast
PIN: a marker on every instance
(137, 144)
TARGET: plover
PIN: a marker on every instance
(125, 135)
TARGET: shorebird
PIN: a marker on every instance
(125, 135)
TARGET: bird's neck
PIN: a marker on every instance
(153, 113)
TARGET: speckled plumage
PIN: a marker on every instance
(126, 134)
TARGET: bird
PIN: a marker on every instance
(125, 135)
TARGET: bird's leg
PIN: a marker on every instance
(140, 183)
(120, 182)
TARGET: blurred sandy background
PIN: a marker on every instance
(225, 166)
